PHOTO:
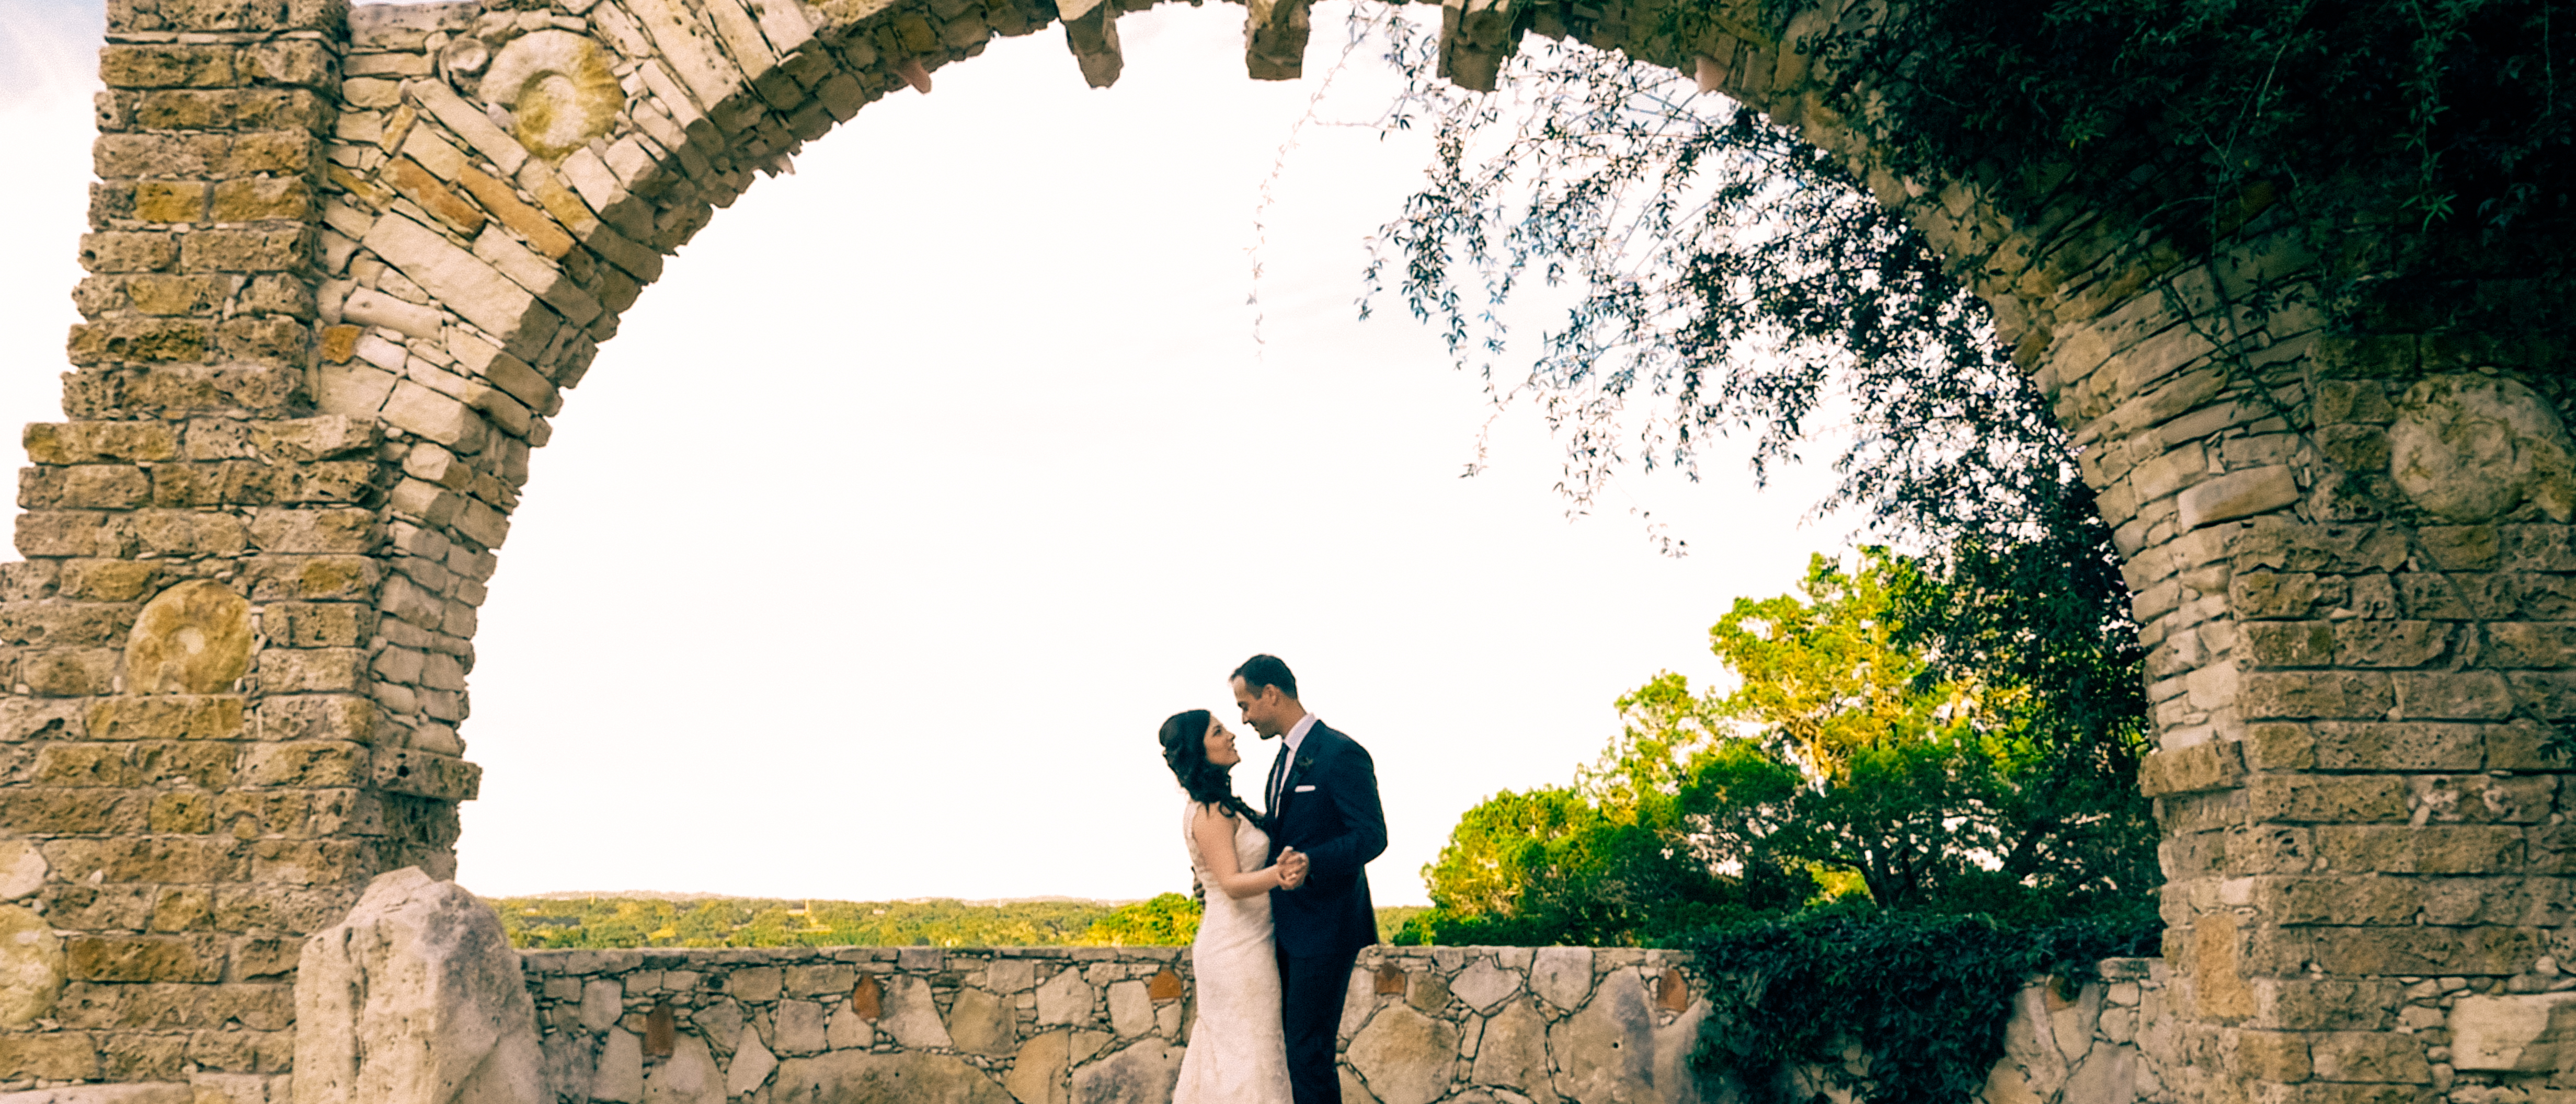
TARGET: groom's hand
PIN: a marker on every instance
(1293, 866)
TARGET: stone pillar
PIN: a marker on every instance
(196, 773)
(2351, 563)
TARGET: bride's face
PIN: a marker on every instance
(1220, 745)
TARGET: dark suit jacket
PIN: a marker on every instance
(1340, 827)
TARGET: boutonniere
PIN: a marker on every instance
(1305, 761)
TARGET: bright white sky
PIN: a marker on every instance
(867, 559)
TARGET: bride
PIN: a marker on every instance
(1237, 1053)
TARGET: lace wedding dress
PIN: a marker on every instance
(1237, 1052)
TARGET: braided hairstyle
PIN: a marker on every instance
(1184, 739)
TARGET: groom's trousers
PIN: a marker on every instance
(1311, 991)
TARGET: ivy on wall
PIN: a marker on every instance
(1926, 995)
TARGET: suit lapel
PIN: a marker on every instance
(1298, 766)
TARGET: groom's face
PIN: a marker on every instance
(1268, 711)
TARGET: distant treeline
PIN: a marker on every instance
(610, 922)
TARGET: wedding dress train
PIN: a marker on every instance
(1237, 1051)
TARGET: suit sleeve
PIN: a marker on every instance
(1354, 790)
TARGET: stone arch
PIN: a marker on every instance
(345, 264)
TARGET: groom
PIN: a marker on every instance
(1323, 802)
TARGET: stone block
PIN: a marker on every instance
(2322, 694)
(2422, 951)
(312, 670)
(69, 672)
(184, 958)
(265, 249)
(1064, 999)
(260, 198)
(318, 624)
(861, 1077)
(912, 1015)
(2369, 1056)
(310, 578)
(2451, 695)
(421, 981)
(2410, 746)
(799, 1027)
(1405, 1056)
(982, 1023)
(140, 340)
(169, 65)
(49, 1056)
(817, 979)
(2272, 1055)
(424, 773)
(2238, 494)
(55, 812)
(1562, 975)
(159, 860)
(2325, 798)
(116, 251)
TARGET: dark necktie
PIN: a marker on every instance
(1278, 774)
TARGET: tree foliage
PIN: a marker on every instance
(1845, 755)
(2420, 142)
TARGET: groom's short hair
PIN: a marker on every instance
(1267, 670)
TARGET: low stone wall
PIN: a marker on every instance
(1053, 1025)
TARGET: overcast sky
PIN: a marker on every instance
(867, 559)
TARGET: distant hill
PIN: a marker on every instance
(661, 919)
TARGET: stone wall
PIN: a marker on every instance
(1049, 1025)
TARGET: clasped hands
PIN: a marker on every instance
(1292, 868)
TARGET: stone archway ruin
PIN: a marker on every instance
(344, 264)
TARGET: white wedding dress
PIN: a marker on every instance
(1237, 1052)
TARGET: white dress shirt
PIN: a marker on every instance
(1297, 733)
(1279, 767)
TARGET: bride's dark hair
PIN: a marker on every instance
(1184, 738)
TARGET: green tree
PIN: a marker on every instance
(1168, 920)
(1845, 750)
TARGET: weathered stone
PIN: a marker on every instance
(1482, 985)
(1358, 1002)
(1143, 1073)
(161, 1093)
(1131, 1011)
(2239, 494)
(751, 1066)
(31, 967)
(420, 982)
(602, 1001)
(1563, 975)
(620, 1076)
(1039, 1071)
(561, 88)
(689, 1076)
(193, 638)
(1064, 999)
(848, 1029)
(1610, 1053)
(798, 1027)
(1513, 1052)
(911, 1016)
(22, 868)
(861, 1077)
(980, 1023)
(2525, 1032)
(2472, 448)
(1404, 1056)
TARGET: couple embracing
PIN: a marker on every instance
(1287, 895)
